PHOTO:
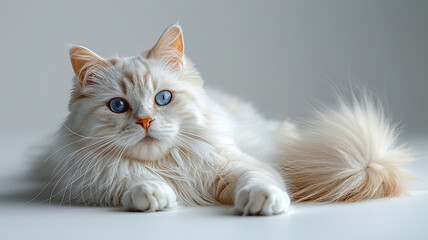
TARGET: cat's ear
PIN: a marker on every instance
(170, 47)
(83, 59)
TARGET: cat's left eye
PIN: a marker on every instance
(163, 97)
(118, 105)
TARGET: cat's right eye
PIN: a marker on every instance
(118, 105)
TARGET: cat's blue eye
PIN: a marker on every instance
(118, 105)
(163, 97)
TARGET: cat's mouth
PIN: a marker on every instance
(149, 139)
(147, 148)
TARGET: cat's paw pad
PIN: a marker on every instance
(149, 197)
(261, 199)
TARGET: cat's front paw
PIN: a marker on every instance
(261, 199)
(149, 197)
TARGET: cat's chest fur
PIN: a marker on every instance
(191, 175)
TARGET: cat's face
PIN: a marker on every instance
(145, 104)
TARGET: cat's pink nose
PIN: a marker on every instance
(145, 122)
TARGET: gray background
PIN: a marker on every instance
(281, 55)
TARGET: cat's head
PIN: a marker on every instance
(142, 104)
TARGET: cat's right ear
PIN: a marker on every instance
(83, 59)
(170, 47)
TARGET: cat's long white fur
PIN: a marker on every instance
(346, 153)
(206, 147)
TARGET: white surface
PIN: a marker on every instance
(397, 218)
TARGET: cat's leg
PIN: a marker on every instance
(253, 187)
(149, 196)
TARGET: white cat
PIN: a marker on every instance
(143, 133)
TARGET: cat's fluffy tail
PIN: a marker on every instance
(346, 154)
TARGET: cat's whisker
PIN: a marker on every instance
(52, 178)
(69, 144)
(99, 172)
(71, 167)
(71, 155)
(86, 164)
(86, 137)
(65, 173)
(117, 149)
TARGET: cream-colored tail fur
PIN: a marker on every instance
(346, 154)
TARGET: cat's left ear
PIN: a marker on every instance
(170, 47)
(83, 59)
